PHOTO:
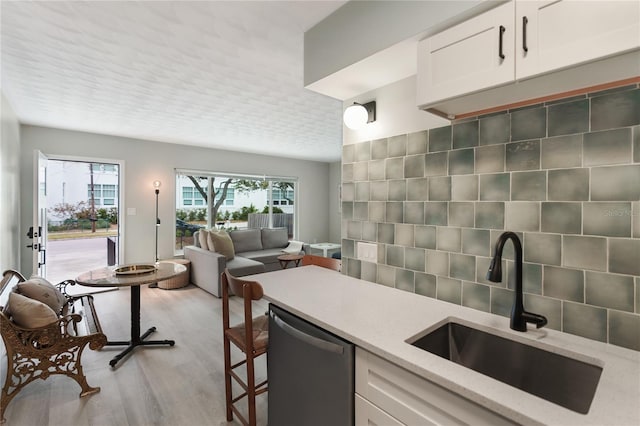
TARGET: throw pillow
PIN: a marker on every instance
(294, 247)
(202, 239)
(40, 289)
(223, 244)
(29, 313)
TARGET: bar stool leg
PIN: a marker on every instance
(227, 377)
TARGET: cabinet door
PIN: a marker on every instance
(474, 55)
(552, 35)
(368, 414)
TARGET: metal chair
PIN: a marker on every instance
(251, 337)
(325, 262)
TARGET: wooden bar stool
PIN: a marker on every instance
(325, 262)
(251, 337)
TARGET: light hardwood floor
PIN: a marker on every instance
(181, 385)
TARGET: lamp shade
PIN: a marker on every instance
(355, 116)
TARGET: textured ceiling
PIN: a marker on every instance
(220, 74)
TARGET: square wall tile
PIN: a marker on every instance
(636, 219)
(414, 259)
(542, 248)
(379, 149)
(637, 280)
(495, 187)
(529, 186)
(490, 159)
(501, 301)
(362, 191)
(565, 284)
(609, 291)
(624, 255)
(347, 210)
(568, 185)
(449, 239)
(461, 161)
(386, 233)
(636, 144)
(568, 118)
(615, 183)
(377, 211)
(417, 142)
(360, 211)
(348, 153)
(414, 166)
(449, 290)
(495, 129)
(368, 271)
(462, 266)
(584, 320)
(354, 230)
(523, 155)
(386, 275)
(394, 168)
(348, 248)
(370, 231)
(584, 252)
(465, 135)
(562, 152)
(418, 189)
(354, 268)
(425, 236)
(607, 219)
(414, 212)
(361, 171)
(395, 256)
(550, 308)
(394, 213)
(461, 214)
(476, 242)
(437, 262)
(440, 139)
(562, 218)
(523, 216)
(378, 190)
(377, 170)
(476, 296)
(530, 123)
(436, 164)
(404, 235)
(440, 188)
(425, 284)
(464, 188)
(531, 277)
(489, 215)
(612, 110)
(624, 330)
(397, 190)
(348, 191)
(435, 213)
(405, 280)
(347, 172)
(607, 147)
(397, 146)
(362, 151)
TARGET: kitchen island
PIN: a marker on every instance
(380, 319)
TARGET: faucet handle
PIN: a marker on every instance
(539, 320)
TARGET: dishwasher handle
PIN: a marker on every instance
(311, 340)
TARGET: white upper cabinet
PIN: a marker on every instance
(552, 35)
(473, 55)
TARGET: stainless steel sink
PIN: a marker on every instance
(562, 380)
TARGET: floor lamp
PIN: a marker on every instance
(156, 185)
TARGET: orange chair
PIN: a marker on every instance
(251, 337)
(325, 262)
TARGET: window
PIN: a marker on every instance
(282, 197)
(192, 197)
(104, 195)
(101, 167)
(228, 201)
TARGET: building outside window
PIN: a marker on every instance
(104, 194)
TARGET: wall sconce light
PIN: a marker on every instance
(357, 115)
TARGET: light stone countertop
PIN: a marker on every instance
(380, 319)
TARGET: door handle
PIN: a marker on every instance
(311, 340)
(500, 37)
(525, 21)
(44, 256)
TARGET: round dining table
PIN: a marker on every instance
(132, 276)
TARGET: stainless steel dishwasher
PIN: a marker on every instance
(310, 373)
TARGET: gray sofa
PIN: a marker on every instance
(256, 251)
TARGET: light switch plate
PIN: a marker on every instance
(367, 252)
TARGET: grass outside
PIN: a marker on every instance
(82, 233)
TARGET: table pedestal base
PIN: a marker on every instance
(131, 345)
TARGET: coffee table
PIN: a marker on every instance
(285, 259)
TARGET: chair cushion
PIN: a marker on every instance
(40, 289)
(246, 240)
(274, 237)
(237, 334)
(264, 256)
(221, 244)
(29, 313)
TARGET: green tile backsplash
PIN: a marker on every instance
(565, 176)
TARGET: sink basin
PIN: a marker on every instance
(560, 379)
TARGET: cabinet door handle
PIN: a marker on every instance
(500, 53)
(525, 21)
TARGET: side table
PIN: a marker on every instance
(179, 281)
(286, 258)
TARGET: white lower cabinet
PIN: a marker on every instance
(387, 394)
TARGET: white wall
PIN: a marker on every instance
(10, 227)
(396, 113)
(146, 161)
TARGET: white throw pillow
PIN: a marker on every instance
(29, 313)
(43, 291)
(203, 235)
(294, 247)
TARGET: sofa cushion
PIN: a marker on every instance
(274, 237)
(29, 313)
(38, 288)
(246, 240)
(221, 244)
(203, 239)
(240, 266)
(264, 256)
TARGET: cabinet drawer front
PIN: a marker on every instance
(466, 58)
(565, 33)
(368, 414)
(414, 400)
